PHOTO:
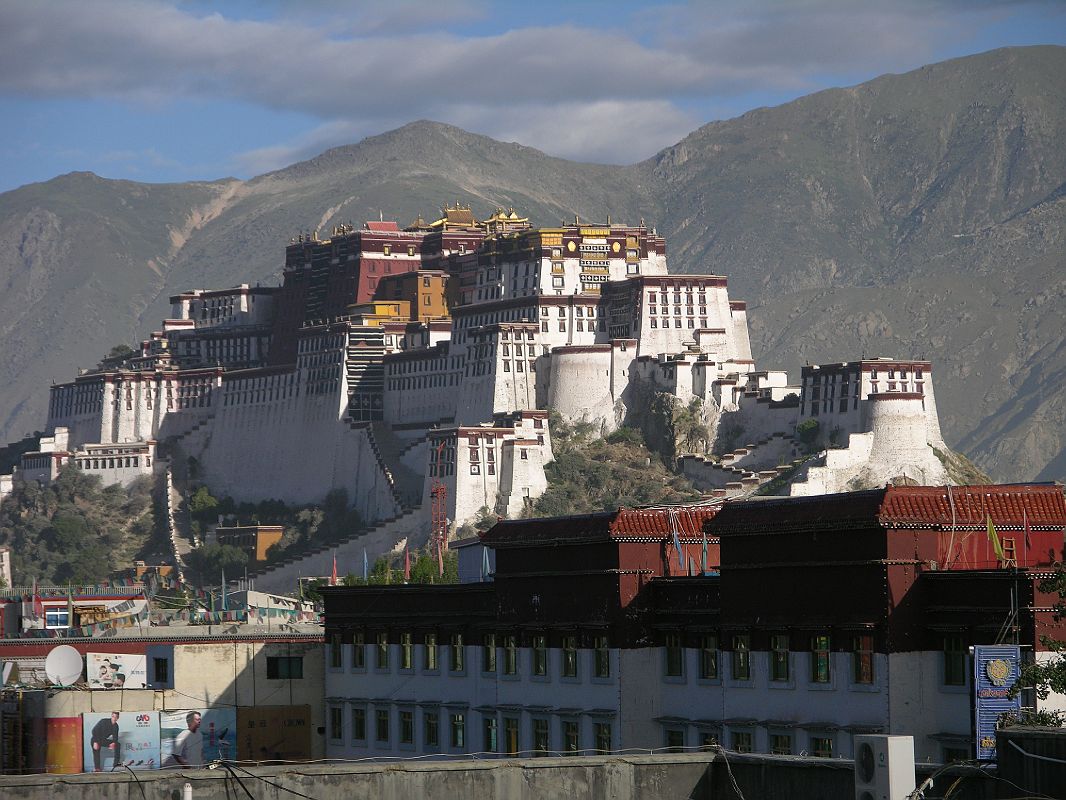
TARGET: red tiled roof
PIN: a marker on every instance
(382, 226)
(1044, 505)
(626, 523)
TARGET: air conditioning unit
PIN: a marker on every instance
(884, 767)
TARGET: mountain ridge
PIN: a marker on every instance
(920, 213)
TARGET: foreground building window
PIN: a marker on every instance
(430, 652)
(570, 656)
(358, 652)
(571, 737)
(285, 667)
(510, 735)
(709, 657)
(742, 659)
(407, 727)
(382, 729)
(602, 658)
(779, 657)
(780, 744)
(458, 653)
(406, 651)
(820, 652)
(510, 655)
(540, 655)
(822, 746)
(674, 655)
(862, 659)
(458, 727)
(490, 743)
(540, 737)
(488, 653)
(358, 724)
(431, 724)
(954, 661)
(382, 651)
(602, 732)
(336, 723)
(742, 741)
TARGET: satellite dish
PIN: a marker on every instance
(63, 665)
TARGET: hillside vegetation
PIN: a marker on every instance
(76, 530)
(591, 474)
(914, 215)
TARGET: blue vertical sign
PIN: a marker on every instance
(996, 668)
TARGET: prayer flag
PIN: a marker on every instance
(406, 564)
(993, 537)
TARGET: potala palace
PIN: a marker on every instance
(393, 360)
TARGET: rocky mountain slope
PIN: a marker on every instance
(918, 214)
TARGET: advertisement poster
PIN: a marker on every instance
(195, 737)
(120, 738)
(274, 733)
(116, 671)
(996, 668)
(63, 755)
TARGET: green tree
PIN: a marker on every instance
(210, 561)
(808, 431)
(202, 505)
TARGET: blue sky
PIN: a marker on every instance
(176, 91)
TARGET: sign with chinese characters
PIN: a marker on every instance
(996, 668)
(119, 739)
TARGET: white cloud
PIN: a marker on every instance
(601, 94)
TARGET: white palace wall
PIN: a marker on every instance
(295, 448)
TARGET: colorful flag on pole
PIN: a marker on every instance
(366, 567)
(407, 565)
(440, 558)
(486, 568)
(705, 552)
(993, 537)
(333, 575)
(1025, 525)
(225, 601)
